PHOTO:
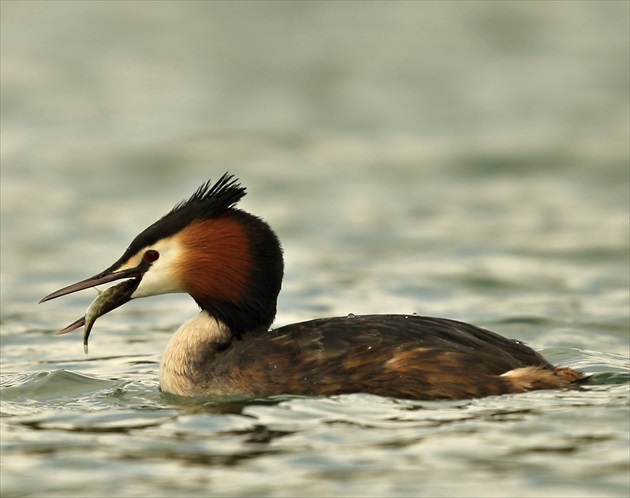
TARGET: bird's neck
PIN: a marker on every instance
(188, 353)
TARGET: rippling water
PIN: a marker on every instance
(466, 160)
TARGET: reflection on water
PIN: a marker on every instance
(458, 159)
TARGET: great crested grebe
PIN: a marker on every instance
(231, 263)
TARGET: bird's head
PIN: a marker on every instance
(228, 260)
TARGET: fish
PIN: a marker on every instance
(106, 301)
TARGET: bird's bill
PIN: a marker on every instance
(100, 279)
(73, 326)
(106, 301)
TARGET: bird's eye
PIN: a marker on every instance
(151, 255)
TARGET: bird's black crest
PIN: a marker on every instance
(210, 200)
(207, 202)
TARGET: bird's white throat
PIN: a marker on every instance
(187, 351)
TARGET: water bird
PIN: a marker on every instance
(230, 262)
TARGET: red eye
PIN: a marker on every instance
(151, 255)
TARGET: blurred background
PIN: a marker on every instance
(393, 145)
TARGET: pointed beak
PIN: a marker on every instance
(100, 279)
(107, 300)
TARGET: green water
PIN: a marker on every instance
(465, 159)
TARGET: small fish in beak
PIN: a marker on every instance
(106, 301)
